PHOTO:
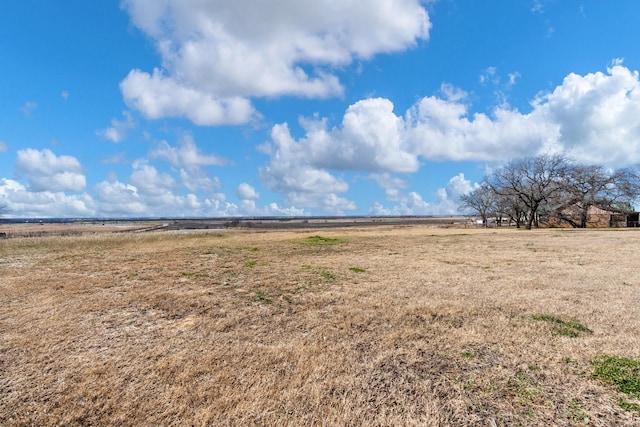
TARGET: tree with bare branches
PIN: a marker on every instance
(530, 182)
(510, 205)
(482, 201)
(533, 189)
(586, 186)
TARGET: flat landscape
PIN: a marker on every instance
(385, 325)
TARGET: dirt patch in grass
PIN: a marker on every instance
(253, 328)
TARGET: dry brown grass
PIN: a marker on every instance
(259, 328)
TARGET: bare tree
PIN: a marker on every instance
(482, 201)
(585, 186)
(531, 189)
(626, 189)
(530, 183)
(511, 206)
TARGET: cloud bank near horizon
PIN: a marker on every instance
(594, 118)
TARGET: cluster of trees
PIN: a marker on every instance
(535, 189)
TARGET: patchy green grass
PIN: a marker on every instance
(622, 372)
(572, 329)
(577, 414)
(629, 406)
(327, 275)
(357, 269)
(261, 296)
(562, 327)
(251, 264)
(546, 318)
(319, 240)
(322, 275)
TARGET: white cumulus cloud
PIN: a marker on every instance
(187, 154)
(47, 172)
(150, 182)
(157, 96)
(391, 185)
(23, 202)
(597, 116)
(119, 199)
(118, 130)
(191, 162)
(218, 54)
(247, 192)
(290, 168)
(413, 203)
(370, 138)
(594, 118)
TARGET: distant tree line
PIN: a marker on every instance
(532, 190)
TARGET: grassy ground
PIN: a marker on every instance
(375, 326)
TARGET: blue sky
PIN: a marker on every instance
(145, 108)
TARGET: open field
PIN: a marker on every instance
(384, 325)
(74, 227)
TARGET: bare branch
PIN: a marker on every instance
(482, 201)
(526, 184)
